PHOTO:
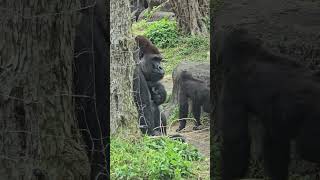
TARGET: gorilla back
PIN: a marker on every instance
(198, 92)
(279, 91)
(90, 85)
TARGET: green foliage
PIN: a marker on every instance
(163, 33)
(139, 27)
(152, 158)
(190, 48)
(147, 14)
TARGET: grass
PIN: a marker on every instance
(153, 158)
(189, 48)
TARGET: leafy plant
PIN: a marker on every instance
(163, 33)
(150, 158)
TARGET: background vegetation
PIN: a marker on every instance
(174, 45)
(152, 158)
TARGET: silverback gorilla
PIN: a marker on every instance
(198, 92)
(279, 91)
(148, 92)
(90, 81)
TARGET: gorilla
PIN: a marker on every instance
(90, 84)
(281, 92)
(148, 92)
(199, 93)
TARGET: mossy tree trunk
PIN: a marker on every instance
(122, 108)
(38, 133)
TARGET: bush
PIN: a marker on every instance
(150, 158)
(163, 33)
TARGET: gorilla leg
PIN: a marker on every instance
(163, 123)
(156, 118)
(143, 102)
(196, 111)
(183, 111)
(236, 143)
(307, 147)
(276, 156)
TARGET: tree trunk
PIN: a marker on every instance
(192, 15)
(122, 108)
(38, 132)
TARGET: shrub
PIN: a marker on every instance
(152, 158)
(163, 33)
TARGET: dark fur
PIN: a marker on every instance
(146, 46)
(90, 80)
(149, 93)
(198, 92)
(279, 91)
(158, 92)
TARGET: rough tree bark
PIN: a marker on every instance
(122, 109)
(38, 133)
(191, 15)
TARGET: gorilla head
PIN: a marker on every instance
(150, 59)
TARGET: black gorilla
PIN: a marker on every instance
(148, 92)
(90, 84)
(280, 92)
(198, 92)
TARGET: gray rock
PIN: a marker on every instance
(156, 15)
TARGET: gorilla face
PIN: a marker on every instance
(151, 67)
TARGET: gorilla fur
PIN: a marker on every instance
(198, 92)
(281, 92)
(148, 92)
(90, 85)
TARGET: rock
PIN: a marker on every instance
(156, 15)
(142, 15)
(160, 15)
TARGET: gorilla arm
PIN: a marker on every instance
(142, 99)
